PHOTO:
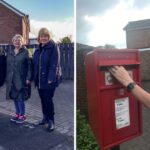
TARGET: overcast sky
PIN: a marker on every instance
(101, 22)
(56, 15)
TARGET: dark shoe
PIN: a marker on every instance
(51, 126)
(42, 122)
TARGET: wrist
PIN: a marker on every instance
(131, 86)
(127, 82)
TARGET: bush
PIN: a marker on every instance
(85, 137)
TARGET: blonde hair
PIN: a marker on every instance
(17, 36)
(43, 31)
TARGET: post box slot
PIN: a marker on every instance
(110, 80)
(107, 80)
(105, 68)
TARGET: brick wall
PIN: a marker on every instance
(145, 65)
(138, 38)
(10, 24)
(81, 82)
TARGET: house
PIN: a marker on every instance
(33, 41)
(138, 34)
(12, 21)
(138, 37)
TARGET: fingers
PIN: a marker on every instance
(115, 68)
(112, 70)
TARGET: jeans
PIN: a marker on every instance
(20, 107)
(46, 96)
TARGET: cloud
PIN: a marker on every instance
(141, 3)
(59, 29)
(106, 26)
(93, 7)
(89, 7)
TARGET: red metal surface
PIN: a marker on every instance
(102, 96)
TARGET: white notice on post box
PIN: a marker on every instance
(122, 112)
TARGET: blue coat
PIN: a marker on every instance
(45, 64)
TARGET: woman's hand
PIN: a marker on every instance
(121, 75)
(28, 82)
(49, 82)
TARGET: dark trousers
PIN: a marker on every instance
(47, 103)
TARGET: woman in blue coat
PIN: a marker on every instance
(46, 62)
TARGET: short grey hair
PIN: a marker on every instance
(17, 36)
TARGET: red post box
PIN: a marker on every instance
(115, 115)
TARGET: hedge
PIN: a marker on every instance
(85, 137)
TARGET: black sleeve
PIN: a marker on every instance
(2, 69)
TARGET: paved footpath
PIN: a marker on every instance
(31, 136)
(142, 142)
